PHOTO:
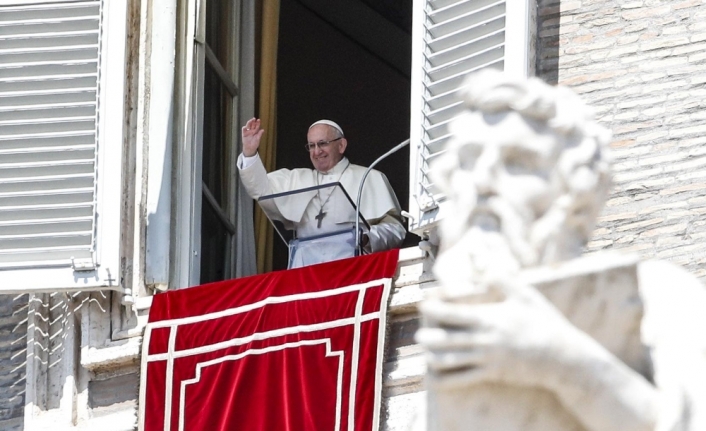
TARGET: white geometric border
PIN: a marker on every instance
(329, 353)
(172, 354)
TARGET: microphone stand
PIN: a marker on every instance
(360, 192)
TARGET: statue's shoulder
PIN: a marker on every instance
(674, 328)
(669, 276)
(675, 301)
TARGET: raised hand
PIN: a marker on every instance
(252, 133)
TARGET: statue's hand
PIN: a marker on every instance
(520, 340)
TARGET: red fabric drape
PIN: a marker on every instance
(289, 350)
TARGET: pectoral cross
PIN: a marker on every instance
(320, 217)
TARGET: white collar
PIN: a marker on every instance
(338, 169)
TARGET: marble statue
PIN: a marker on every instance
(525, 333)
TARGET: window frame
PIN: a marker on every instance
(227, 75)
(186, 237)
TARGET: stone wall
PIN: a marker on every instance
(13, 354)
(642, 66)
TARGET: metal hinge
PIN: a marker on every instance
(87, 264)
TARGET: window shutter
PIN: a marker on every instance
(451, 39)
(58, 115)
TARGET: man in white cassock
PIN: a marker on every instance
(326, 210)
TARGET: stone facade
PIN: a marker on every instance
(13, 348)
(642, 66)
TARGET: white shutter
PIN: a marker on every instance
(55, 136)
(451, 39)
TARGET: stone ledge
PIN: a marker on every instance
(410, 281)
(114, 355)
(404, 373)
(119, 417)
(405, 299)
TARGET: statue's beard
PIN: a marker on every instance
(494, 238)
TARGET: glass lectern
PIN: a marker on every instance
(332, 244)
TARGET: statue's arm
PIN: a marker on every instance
(523, 340)
(599, 389)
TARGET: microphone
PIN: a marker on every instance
(360, 192)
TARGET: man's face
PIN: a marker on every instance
(325, 157)
(508, 177)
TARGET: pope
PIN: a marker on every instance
(326, 210)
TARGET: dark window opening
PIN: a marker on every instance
(355, 72)
(217, 225)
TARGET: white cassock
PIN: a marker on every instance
(379, 207)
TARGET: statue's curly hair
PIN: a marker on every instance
(583, 166)
(490, 91)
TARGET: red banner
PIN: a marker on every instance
(291, 350)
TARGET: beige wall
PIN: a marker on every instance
(642, 66)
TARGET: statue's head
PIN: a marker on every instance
(526, 170)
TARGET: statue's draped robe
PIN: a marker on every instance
(650, 315)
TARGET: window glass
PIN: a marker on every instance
(217, 218)
(215, 241)
(217, 107)
(218, 30)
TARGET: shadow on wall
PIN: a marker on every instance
(13, 360)
(548, 41)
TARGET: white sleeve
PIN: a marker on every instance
(253, 176)
(254, 179)
(387, 234)
(245, 162)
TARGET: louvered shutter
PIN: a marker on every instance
(451, 39)
(58, 133)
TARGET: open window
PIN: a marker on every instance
(352, 61)
(218, 133)
(347, 61)
(212, 238)
(62, 75)
(355, 61)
